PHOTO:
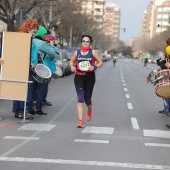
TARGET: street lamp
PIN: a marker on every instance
(124, 29)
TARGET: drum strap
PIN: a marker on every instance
(160, 78)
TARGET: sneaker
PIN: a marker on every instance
(89, 115)
(20, 116)
(161, 111)
(40, 113)
(31, 112)
(80, 124)
(165, 113)
(47, 103)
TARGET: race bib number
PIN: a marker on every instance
(84, 65)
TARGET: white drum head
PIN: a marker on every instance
(43, 71)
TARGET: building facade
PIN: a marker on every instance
(112, 18)
(95, 8)
(156, 18)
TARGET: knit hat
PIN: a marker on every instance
(41, 31)
(52, 38)
(2, 28)
(168, 50)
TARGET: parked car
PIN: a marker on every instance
(64, 62)
(104, 57)
(71, 50)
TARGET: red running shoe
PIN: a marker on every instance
(89, 115)
(80, 124)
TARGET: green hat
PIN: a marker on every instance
(41, 31)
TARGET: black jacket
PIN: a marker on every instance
(161, 63)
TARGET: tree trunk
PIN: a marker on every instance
(11, 26)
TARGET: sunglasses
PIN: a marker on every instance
(85, 41)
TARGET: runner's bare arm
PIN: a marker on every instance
(98, 58)
(72, 61)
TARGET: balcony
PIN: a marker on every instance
(98, 6)
(98, 13)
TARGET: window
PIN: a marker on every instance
(98, 10)
(159, 9)
(166, 9)
(98, 3)
(165, 16)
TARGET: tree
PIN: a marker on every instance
(9, 9)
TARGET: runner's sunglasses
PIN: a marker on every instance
(85, 41)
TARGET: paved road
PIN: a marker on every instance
(126, 131)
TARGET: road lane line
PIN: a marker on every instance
(91, 141)
(124, 84)
(127, 96)
(125, 89)
(87, 163)
(129, 105)
(134, 123)
(21, 137)
(158, 145)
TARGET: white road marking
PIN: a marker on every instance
(124, 84)
(87, 163)
(134, 123)
(123, 81)
(127, 96)
(158, 144)
(37, 127)
(157, 133)
(21, 137)
(129, 105)
(91, 141)
(125, 89)
(98, 130)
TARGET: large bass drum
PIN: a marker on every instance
(162, 83)
(41, 73)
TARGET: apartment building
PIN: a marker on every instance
(112, 21)
(95, 8)
(156, 18)
(162, 16)
(144, 32)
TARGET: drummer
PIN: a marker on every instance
(166, 101)
(40, 40)
(47, 58)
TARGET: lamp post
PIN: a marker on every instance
(124, 29)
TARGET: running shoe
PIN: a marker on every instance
(165, 113)
(89, 115)
(80, 124)
(161, 111)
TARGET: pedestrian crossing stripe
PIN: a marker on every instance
(98, 130)
(157, 133)
(91, 141)
(37, 127)
(21, 137)
(158, 145)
